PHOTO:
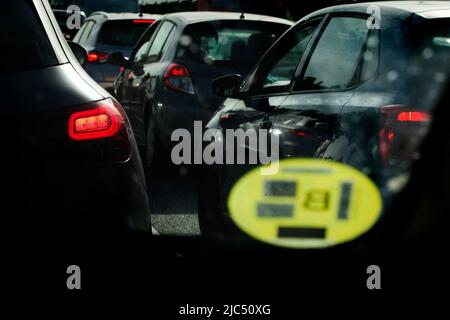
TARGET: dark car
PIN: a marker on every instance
(104, 33)
(166, 84)
(69, 160)
(88, 7)
(342, 87)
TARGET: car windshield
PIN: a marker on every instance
(122, 33)
(25, 46)
(228, 42)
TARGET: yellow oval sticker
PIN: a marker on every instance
(307, 204)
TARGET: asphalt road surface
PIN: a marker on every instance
(173, 196)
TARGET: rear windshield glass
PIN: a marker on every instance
(123, 32)
(435, 34)
(24, 44)
(236, 42)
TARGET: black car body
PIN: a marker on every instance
(166, 85)
(340, 86)
(104, 33)
(70, 160)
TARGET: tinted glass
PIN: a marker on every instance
(143, 46)
(24, 44)
(121, 33)
(431, 42)
(80, 33)
(276, 71)
(160, 40)
(87, 31)
(283, 72)
(337, 54)
(235, 42)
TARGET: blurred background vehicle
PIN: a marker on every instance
(72, 161)
(90, 6)
(166, 84)
(104, 33)
(62, 16)
(335, 89)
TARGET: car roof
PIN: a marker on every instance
(101, 15)
(425, 9)
(203, 16)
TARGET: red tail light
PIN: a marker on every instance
(177, 77)
(145, 21)
(403, 129)
(413, 116)
(99, 57)
(102, 120)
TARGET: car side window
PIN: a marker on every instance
(80, 33)
(336, 60)
(87, 31)
(276, 72)
(159, 41)
(143, 46)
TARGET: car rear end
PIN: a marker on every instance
(395, 105)
(70, 160)
(113, 34)
(208, 50)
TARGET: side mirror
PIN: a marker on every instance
(117, 59)
(227, 86)
(79, 52)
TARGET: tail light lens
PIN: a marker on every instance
(100, 128)
(177, 77)
(98, 57)
(403, 129)
(102, 121)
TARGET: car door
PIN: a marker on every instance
(137, 80)
(326, 81)
(267, 87)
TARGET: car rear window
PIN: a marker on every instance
(123, 32)
(434, 34)
(236, 42)
(24, 44)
